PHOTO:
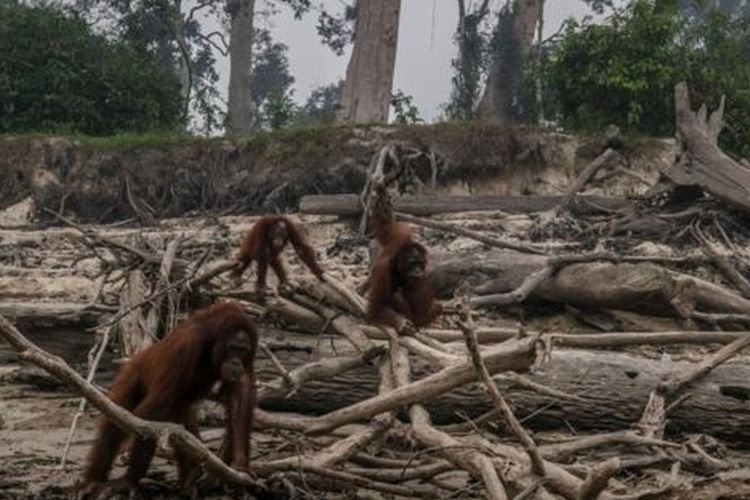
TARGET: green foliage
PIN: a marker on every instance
(270, 74)
(719, 63)
(158, 31)
(270, 83)
(56, 75)
(278, 110)
(337, 31)
(322, 105)
(146, 140)
(470, 64)
(624, 70)
(405, 111)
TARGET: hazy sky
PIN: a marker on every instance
(425, 48)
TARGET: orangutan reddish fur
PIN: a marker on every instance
(164, 381)
(259, 245)
(394, 296)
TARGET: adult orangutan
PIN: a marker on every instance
(163, 383)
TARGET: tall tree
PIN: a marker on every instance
(468, 66)
(510, 48)
(170, 32)
(74, 80)
(245, 80)
(322, 105)
(240, 106)
(369, 76)
(270, 75)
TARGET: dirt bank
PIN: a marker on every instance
(107, 180)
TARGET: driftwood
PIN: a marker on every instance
(507, 357)
(482, 463)
(567, 202)
(588, 173)
(598, 478)
(77, 314)
(600, 283)
(723, 264)
(349, 204)
(135, 335)
(703, 164)
(156, 321)
(653, 420)
(342, 376)
(474, 462)
(487, 240)
(509, 419)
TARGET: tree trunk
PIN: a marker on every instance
(239, 108)
(597, 284)
(511, 46)
(467, 66)
(602, 285)
(134, 336)
(49, 314)
(369, 77)
(614, 386)
(703, 163)
(184, 66)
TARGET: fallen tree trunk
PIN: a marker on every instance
(597, 284)
(630, 286)
(50, 314)
(349, 204)
(614, 388)
(715, 298)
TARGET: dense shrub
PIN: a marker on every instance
(56, 75)
(624, 70)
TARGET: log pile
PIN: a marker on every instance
(588, 349)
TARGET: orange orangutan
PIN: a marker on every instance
(264, 244)
(401, 294)
(163, 383)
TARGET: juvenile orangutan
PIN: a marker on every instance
(264, 244)
(401, 294)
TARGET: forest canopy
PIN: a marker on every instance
(624, 70)
(146, 68)
(57, 75)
